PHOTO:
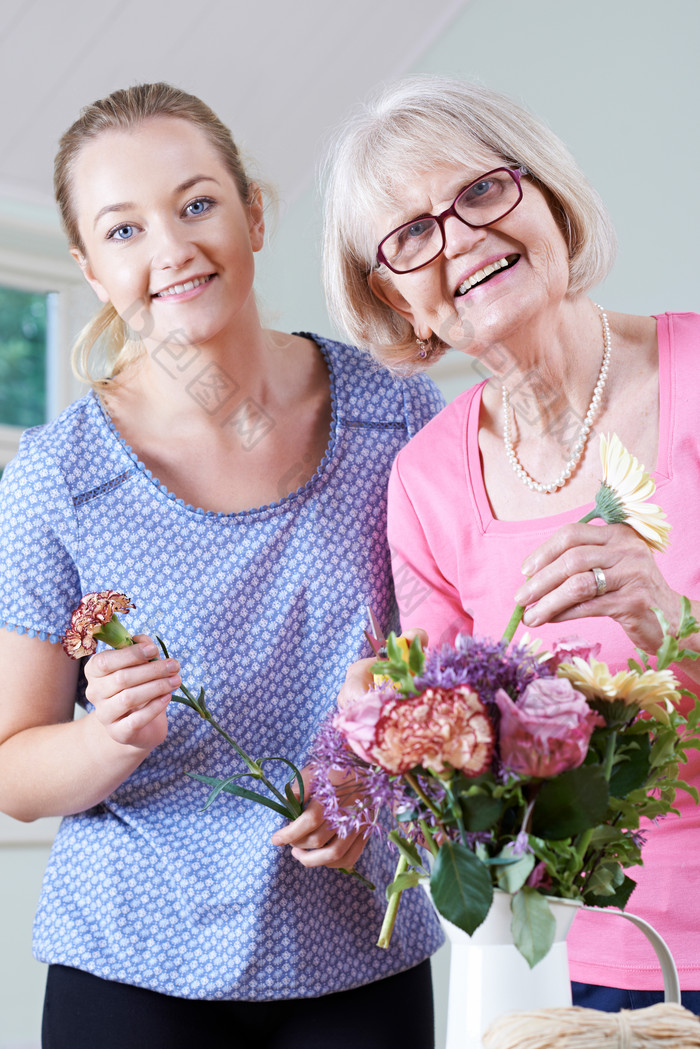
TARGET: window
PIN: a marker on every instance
(24, 322)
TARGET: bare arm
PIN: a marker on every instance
(51, 765)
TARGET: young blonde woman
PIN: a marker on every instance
(230, 480)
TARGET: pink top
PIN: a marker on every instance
(456, 568)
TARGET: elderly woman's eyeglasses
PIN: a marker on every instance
(484, 201)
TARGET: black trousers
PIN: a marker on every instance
(82, 1011)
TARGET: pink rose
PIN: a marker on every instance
(358, 722)
(564, 650)
(547, 731)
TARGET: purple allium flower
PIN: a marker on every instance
(482, 664)
(521, 845)
(357, 804)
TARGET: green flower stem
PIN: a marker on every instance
(393, 907)
(428, 838)
(416, 787)
(519, 610)
(456, 812)
(513, 623)
(360, 877)
(255, 770)
(114, 634)
(609, 755)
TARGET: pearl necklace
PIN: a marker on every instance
(581, 441)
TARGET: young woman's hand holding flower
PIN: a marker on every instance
(130, 689)
(313, 841)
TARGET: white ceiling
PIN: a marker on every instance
(280, 74)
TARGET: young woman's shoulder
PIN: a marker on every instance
(78, 447)
(366, 390)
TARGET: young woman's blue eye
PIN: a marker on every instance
(200, 206)
(121, 233)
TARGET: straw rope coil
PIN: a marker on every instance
(656, 1027)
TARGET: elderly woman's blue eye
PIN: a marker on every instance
(479, 189)
(415, 230)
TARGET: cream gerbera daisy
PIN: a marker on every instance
(624, 492)
(655, 691)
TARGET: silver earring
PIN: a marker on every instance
(424, 350)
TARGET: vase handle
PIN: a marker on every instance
(672, 990)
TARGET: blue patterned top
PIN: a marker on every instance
(266, 608)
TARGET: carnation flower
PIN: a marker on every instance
(624, 492)
(547, 731)
(93, 620)
(437, 728)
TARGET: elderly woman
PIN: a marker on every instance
(456, 219)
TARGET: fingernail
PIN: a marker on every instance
(172, 666)
(527, 567)
(175, 681)
(149, 649)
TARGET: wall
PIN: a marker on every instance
(618, 80)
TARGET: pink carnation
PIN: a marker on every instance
(547, 731)
(440, 727)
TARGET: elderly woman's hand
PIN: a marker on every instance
(562, 585)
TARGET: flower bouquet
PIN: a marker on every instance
(502, 767)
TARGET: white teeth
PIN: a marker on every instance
(177, 289)
(481, 275)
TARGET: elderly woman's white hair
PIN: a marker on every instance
(406, 130)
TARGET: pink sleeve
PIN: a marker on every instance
(425, 598)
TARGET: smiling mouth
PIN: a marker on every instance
(485, 274)
(178, 289)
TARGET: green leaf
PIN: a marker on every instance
(461, 886)
(606, 879)
(632, 772)
(296, 774)
(480, 811)
(163, 648)
(533, 925)
(688, 624)
(513, 877)
(407, 880)
(229, 787)
(570, 803)
(618, 899)
(416, 658)
(406, 848)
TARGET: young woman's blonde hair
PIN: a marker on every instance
(125, 110)
(406, 130)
